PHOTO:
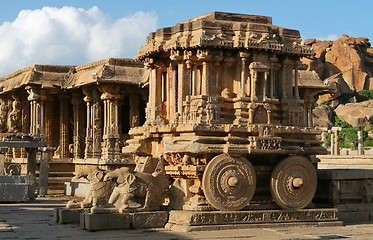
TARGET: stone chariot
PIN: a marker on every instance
(230, 113)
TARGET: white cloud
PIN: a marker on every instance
(70, 36)
(330, 37)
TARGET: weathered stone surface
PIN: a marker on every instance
(322, 117)
(357, 114)
(96, 222)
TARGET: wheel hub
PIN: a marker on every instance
(297, 182)
(233, 181)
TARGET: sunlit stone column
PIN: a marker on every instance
(110, 96)
(36, 100)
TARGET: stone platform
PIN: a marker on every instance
(65, 215)
(185, 221)
(135, 220)
(348, 190)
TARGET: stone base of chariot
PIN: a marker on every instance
(185, 221)
(66, 215)
(134, 220)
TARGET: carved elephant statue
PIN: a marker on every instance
(99, 190)
(137, 190)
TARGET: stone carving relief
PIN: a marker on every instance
(4, 109)
(136, 190)
(99, 190)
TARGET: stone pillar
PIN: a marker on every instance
(296, 76)
(194, 80)
(88, 151)
(266, 76)
(360, 148)
(96, 124)
(335, 140)
(172, 69)
(205, 89)
(64, 125)
(25, 119)
(254, 78)
(36, 100)
(77, 101)
(110, 96)
(183, 85)
(272, 83)
(31, 165)
(332, 143)
(324, 135)
(243, 75)
(49, 121)
(310, 116)
(44, 170)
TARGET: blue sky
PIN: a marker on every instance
(314, 19)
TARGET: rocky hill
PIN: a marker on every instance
(346, 63)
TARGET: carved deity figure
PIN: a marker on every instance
(4, 109)
(136, 190)
(15, 117)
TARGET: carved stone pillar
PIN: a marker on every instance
(296, 76)
(64, 125)
(310, 116)
(183, 85)
(266, 76)
(205, 89)
(194, 80)
(96, 124)
(51, 128)
(243, 57)
(25, 119)
(77, 101)
(254, 79)
(88, 151)
(110, 97)
(36, 100)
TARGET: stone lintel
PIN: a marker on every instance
(108, 221)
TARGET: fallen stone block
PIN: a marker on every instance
(15, 189)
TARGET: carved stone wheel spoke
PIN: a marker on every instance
(293, 183)
(229, 183)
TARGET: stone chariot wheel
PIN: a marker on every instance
(293, 183)
(229, 183)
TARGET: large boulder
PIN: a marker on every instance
(351, 58)
(322, 117)
(357, 114)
